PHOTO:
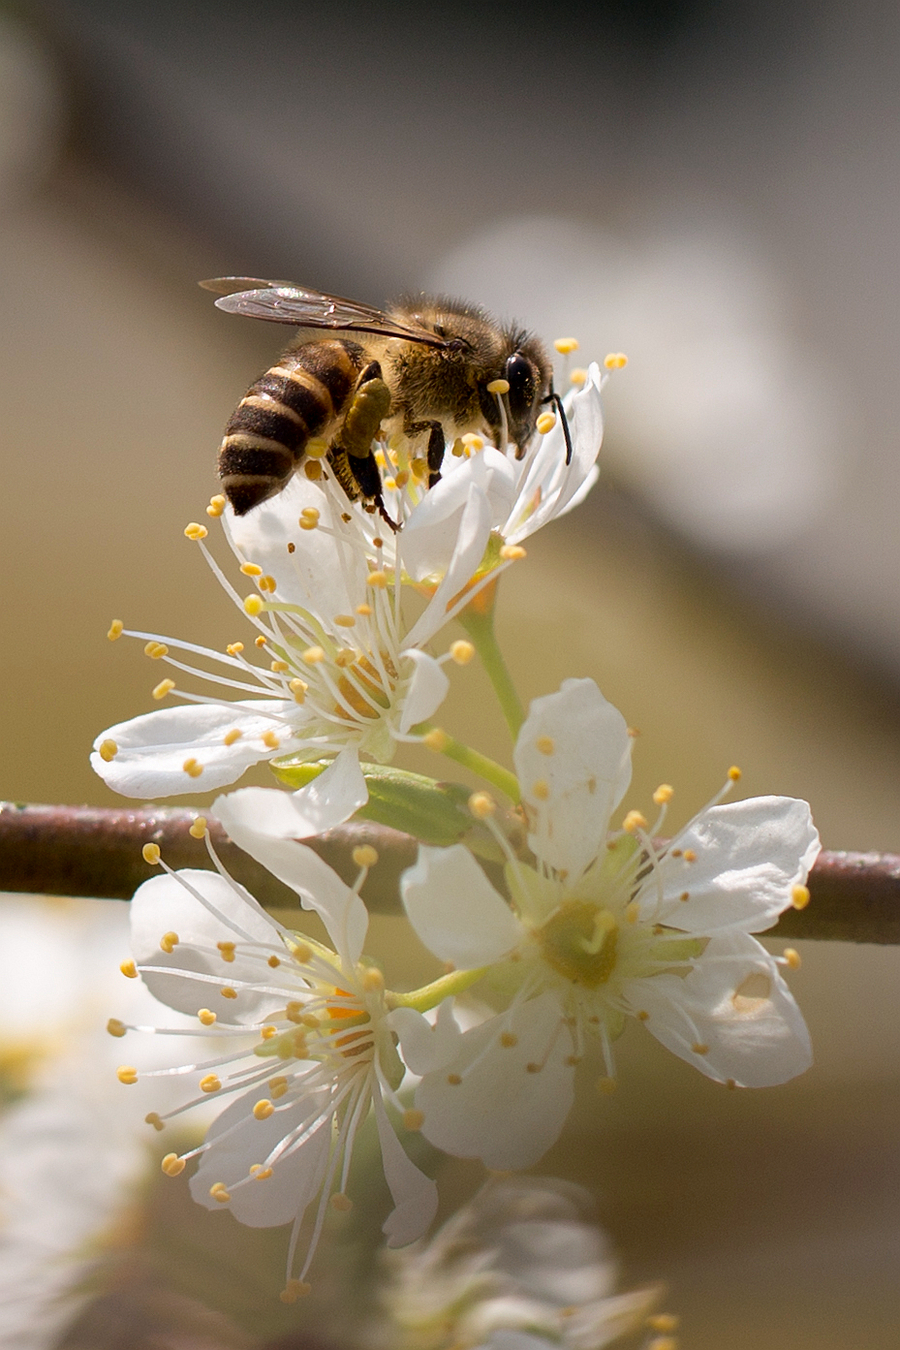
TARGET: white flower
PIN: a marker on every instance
(607, 926)
(518, 1266)
(314, 1052)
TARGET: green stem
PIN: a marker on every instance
(481, 764)
(430, 995)
(480, 628)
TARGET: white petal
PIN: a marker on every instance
(415, 1195)
(165, 905)
(328, 800)
(735, 1003)
(455, 910)
(573, 760)
(429, 538)
(473, 533)
(501, 1112)
(426, 692)
(423, 1046)
(237, 1141)
(153, 748)
(749, 856)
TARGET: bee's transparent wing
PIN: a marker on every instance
(281, 302)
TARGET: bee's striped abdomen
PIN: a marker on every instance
(267, 433)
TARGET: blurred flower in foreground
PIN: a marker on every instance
(606, 926)
(302, 1042)
(518, 1268)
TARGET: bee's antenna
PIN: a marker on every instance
(554, 398)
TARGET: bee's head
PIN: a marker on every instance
(527, 371)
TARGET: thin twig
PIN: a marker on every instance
(69, 850)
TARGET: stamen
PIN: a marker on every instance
(545, 745)
(461, 652)
(156, 650)
(413, 1119)
(115, 1027)
(482, 805)
(195, 531)
(206, 1017)
(164, 687)
(231, 736)
(263, 1109)
(566, 345)
(129, 970)
(800, 897)
(216, 507)
(512, 553)
(633, 822)
(663, 794)
(578, 376)
(168, 942)
(210, 1083)
(192, 768)
(198, 828)
(151, 854)
(254, 606)
(546, 422)
(436, 740)
(364, 855)
(127, 1074)
(116, 629)
(293, 1290)
(155, 1119)
(172, 1165)
(107, 750)
(615, 361)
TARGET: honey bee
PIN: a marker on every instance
(425, 368)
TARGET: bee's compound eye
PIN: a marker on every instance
(519, 374)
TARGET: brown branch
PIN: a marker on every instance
(68, 850)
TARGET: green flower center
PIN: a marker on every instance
(581, 942)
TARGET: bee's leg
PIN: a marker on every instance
(436, 446)
(368, 480)
(369, 405)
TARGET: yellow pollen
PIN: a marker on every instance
(294, 1011)
(316, 448)
(126, 1074)
(155, 1119)
(274, 962)
(309, 513)
(566, 345)
(663, 1322)
(211, 1083)
(267, 583)
(269, 739)
(307, 524)
(546, 422)
(663, 794)
(172, 1165)
(615, 361)
(364, 855)
(700, 1048)
(533, 1068)
(578, 376)
(293, 1290)
(263, 1109)
(278, 1086)
(642, 1015)
(632, 911)
(206, 1017)
(372, 980)
(606, 1085)
(301, 952)
(298, 688)
(663, 1343)
(342, 1203)
(792, 957)
(220, 1193)
(508, 1039)
(164, 687)
(689, 855)
(156, 650)
(413, 1119)
(402, 478)
(266, 1033)
(234, 648)
(151, 854)
(454, 1079)
(685, 895)
(313, 471)
(344, 657)
(226, 950)
(313, 656)
(253, 606)
(278, 667)
(540, 789)
(260, 1173)
(418, 468)
(345, 620)
(498, 387)
(800, 897)
(260, 641)
(390, 484)
(192, 768)
(436, 739)
(512, 553)
(231, 736)
(129, 970)
(633, 822)
(734, 773)
(461, 652)
(168, 942)
(216, 506)
(482, 805)
(377, 579)
(115, 1027)
(364, 611)
(107, 750)
(227, 992)
(458, 449)
(116, 629)
(195, 531)
(198, 828)
(545, 745)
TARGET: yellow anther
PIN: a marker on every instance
(266, 1033)
(129, 970)
(792, 957)
(663, 794)
(663, 1343)
(413, 1119)
(632, 911)
(316, 448)
(418, 468)
(606, 1086)
(278, 1086)
(263, 1109)
(216, 506)
(684, 896)
(372, 980)
(234, 648)
(307, 524)
(261, 640)
(498, 387)
(342, 1203)
(512, 553)
(313, 656)
(454, 1079)
(195, 531)
(298, 688)
(126, 1074)
(313, 470)
(642, 1015)
(482, 805)
(210, 1083)
(267, 583)
(634, 821)
(615, 361)
(389, 484)
(206, 1017)
(345, 620)
(115, 1027)
(168, 942)
(565, 346)
(540, 789)
(294, 1011)
(461, 652)
(164, 687)
(251, 569)
(270, 739)
(172, 1165)
(689, 855)
(734, 773)
(107, 750)
(546, 422)
(155, 1119)
(227, 992)
(545, 745)
(508, 1039)
(364, 611)
(578, 376)
(278, 667)
(302, 952)
(151, 854)
(344, 657)
(260, 1173)
(458, 449)
(253, 606)
(663, 1322)
(293, 1290)
(274, 962)
(402, 478)
(436, 740)
(220, 1192)
(116, 629)
(309, 513)
(231, 736)
(198, 828)
(192, 768)
(377, 579)
(473, 442)
(700, 1048)
(364, 855)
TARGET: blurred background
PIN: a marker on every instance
(712, 189)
